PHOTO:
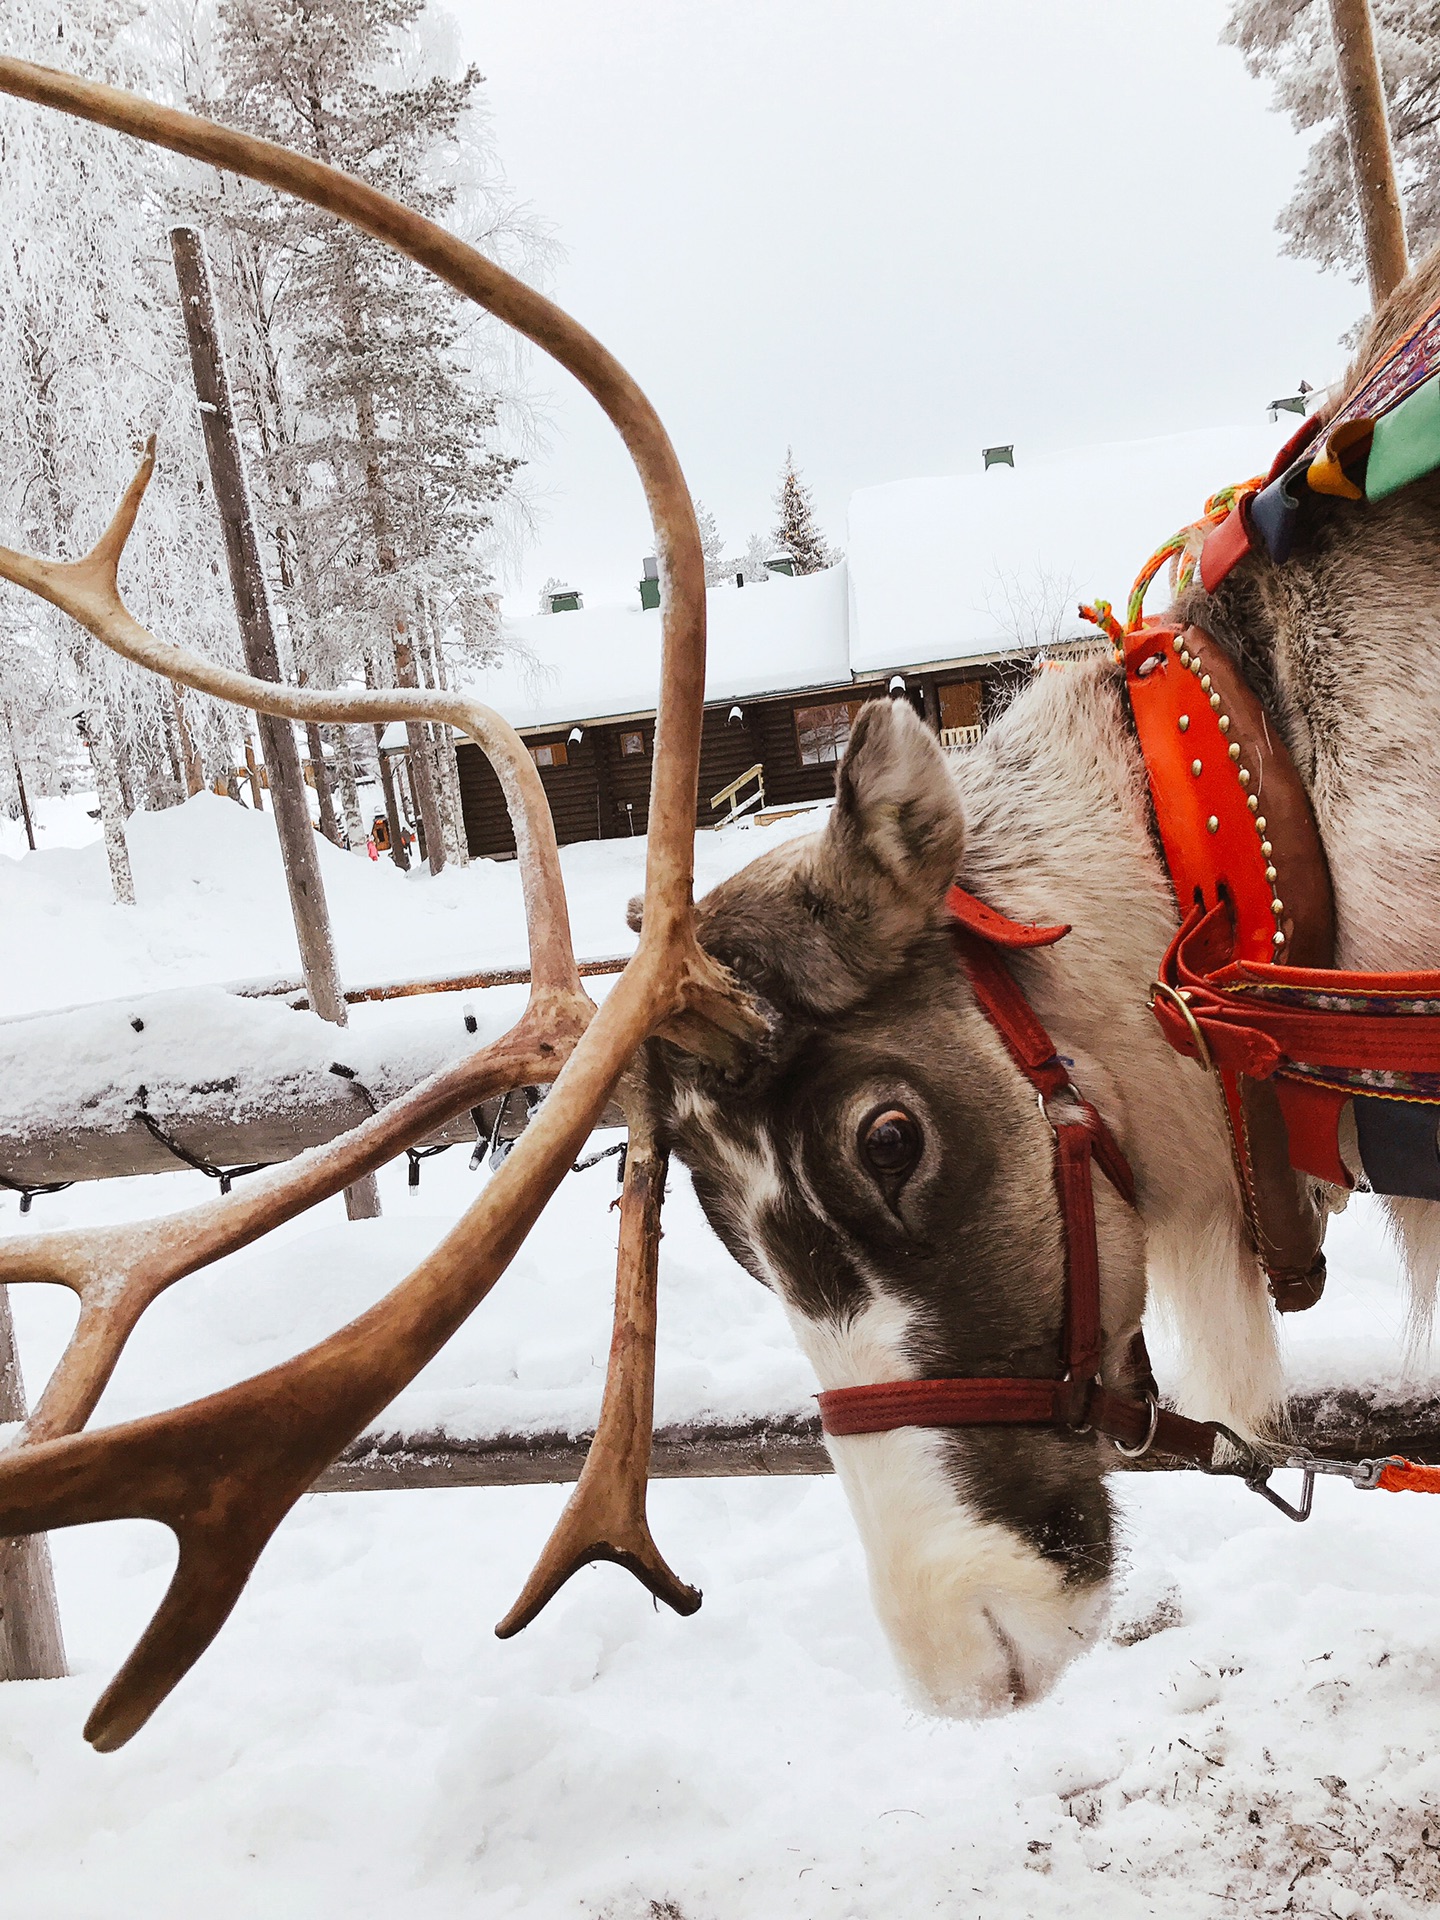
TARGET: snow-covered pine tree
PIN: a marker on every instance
(717, 571)
(1288, 42)
(386, 476)
(797, 532)
(753, 565)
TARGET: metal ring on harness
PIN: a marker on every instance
(1138, 1453)
(1182, 1006)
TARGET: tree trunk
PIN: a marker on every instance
(329, 825)
(422, 777)
(96, 735)
(20, 782)
(252, 771)
(194, 769)
(257, 633)
(349, 796)
(31, 1644)
(392, 806)
(1367, 134)
(447, 772)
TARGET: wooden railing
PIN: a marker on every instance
(954, 738)
(732, 794)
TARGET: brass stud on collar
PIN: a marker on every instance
(1277, 907)
(1223, 723)
(1184, 723)
(1195, 766)
(1212, 824)
(1184, 656)
(1266, 848)
(1205, 681)
(1271, 875)
(1260, 824)
(1179, 642)
(1253, 803)
(1215, 702)
(1234, 749)
(1277, 939)
(1243, 776)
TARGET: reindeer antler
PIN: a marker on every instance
(222, 1472)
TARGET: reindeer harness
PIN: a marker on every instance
(1247, 988)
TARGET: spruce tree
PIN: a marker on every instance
(797, 533)
(1289, 43)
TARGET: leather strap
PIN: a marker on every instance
(1237, 827)
(1075, 1398)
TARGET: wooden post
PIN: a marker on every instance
(1367, 134)
(31, 1644)
(257, 634)
(392, 805)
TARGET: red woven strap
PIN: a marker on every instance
(1014, 1403)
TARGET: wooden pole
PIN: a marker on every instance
(257, 634)
(31, 1644)
(1367, 134)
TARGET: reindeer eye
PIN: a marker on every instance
(890, 1140)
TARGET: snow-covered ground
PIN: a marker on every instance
(1258, 1735)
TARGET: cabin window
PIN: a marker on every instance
(823, 733)
(552, 754)
(632, 746)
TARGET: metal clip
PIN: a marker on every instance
(1364, 1475)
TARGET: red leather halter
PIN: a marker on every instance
(1073, 1398)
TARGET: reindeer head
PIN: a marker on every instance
(882, 1164)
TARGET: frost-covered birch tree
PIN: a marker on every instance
(91, 360)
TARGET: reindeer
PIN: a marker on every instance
(882, 1165)
(859, 1137)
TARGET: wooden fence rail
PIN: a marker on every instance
(1336, 1423)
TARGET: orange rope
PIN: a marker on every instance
(1183, 549)
(1406, 1476)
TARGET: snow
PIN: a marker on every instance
(1255, 1736)
(966, 568)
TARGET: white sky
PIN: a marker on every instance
(890, 234)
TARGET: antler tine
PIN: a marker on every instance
(604, 1518)
(118, 1271)
(224, 1471)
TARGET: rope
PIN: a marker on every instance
(1182, 549)
(1407, 1476)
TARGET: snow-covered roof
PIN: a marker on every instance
(602, 663)
(964, 568)
(959, 569)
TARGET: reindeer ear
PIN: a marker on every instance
(897, 819)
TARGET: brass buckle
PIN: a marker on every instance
(1203, 1056)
